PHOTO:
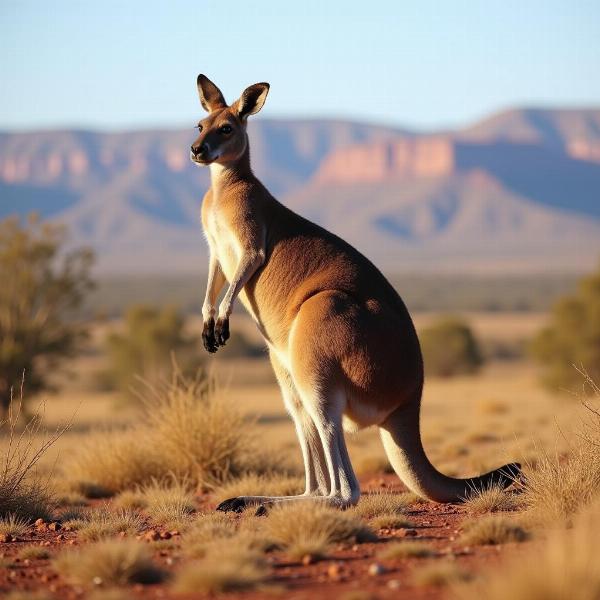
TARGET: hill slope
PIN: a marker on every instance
(517, 191)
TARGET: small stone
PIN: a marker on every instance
(97, 580)
(122, 534)
(376, 569)
(334, 571)
(40, 523)
(394, 584)
(308, 559)
(169, 560)
(165, 535)
(355, 548)
(60, 537)
(54, 526)
(47, 543)
(71, 542)
(174, 533)
(6, 537)
(152, 535)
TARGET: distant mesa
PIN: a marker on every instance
(519, 190)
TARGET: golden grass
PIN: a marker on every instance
(243, 569)
(186, 432)
(111, 562)
(13, 525)
(493, 530)
(170, 504)
(313, 547)
(381, 503)
(390, 521)
(564, 566)
(102, 522)
(558, 486)
(406, 549)
(291, 523)
(206, 530)
(492, 498)
(34, 552)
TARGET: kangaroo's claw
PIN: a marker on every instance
(222, 331)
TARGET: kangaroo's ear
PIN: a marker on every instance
(252, 99)
(211, 97)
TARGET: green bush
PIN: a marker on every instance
(41, 283)
(450, 348)
(152, 338)
(573, 337)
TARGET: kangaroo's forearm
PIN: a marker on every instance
(215, 283)
(250, 262)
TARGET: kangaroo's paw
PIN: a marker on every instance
(208, 336)
(236, 505)
(222, 331)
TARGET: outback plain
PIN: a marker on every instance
(124, 495)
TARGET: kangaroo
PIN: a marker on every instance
(341, 341)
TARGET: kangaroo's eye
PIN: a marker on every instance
(199, 127)
(225, 129)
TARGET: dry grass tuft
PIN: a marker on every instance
(439, 574)
(169, 504)
(390, 521)
(492, 498)
(381, 503)
(108, 563)
(186, 432)
(493, 530)
(566, 566)
(34, 553)
(289, 524)
(13, 525)
(243, 569)
(559, 486)
(205, 531)
(407, 549)
(102, 523)
(313, 547)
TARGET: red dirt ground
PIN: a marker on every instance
(438, 524)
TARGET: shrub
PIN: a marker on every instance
(186, 432)
(39, 284)
(572, 338)
(145, 349)
(22, 495)
(449, 348)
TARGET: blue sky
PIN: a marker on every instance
(130, 64)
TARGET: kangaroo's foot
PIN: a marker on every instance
(241, 503)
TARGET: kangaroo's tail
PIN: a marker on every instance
(401, 438)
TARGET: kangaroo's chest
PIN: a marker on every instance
(223, 242)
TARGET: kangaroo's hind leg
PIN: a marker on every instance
(315, 465)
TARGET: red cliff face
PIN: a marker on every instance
(429, 157)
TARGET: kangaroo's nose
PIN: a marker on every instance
(199, 150)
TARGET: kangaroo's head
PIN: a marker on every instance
(222, 134)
